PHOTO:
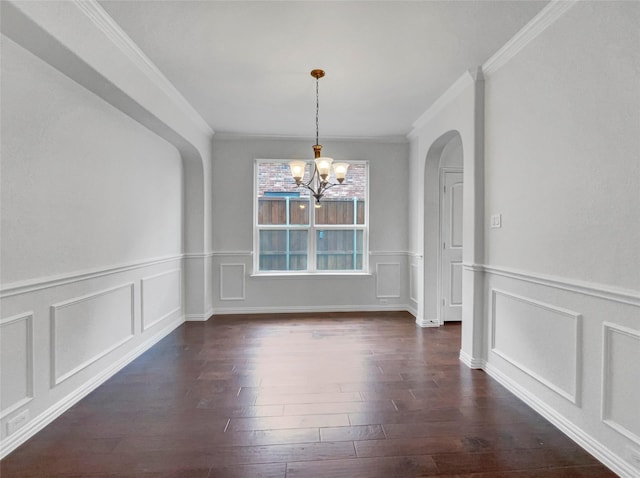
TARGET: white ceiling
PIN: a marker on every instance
(244, 66)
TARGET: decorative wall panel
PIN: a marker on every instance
(161, 297)
(84, 329)
(621, 378)
(540, 339)
(16, 367)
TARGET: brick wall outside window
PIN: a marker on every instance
(276, 176)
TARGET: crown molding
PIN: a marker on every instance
(228, 135)
(101, 19)
(467, 79)
(545, 18)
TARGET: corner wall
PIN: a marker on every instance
(105, 209)
(562, 273)
(558, 285)
(458, 112)
(91, 213)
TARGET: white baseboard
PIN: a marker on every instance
(38, 423)
(469, 361)
(412, 310)
(199, 317)
(310, 309)
(582, 438)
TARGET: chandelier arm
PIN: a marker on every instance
(328, 186)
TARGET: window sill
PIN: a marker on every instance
(327, 274)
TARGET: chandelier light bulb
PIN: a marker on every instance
(340, 171)
(297, 170)
(324, 166)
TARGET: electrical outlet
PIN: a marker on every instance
(18, 421)
(384, 301)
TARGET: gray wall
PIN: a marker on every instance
(559, 293)
(233, 175)
(91, 250)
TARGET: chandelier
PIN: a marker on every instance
(319, 181)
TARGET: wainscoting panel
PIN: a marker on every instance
(621, 378)
(160, 296)
(84, 329)
(16, 367)
(540, 339)
(388, 280)
(232, 281)
(62, 336)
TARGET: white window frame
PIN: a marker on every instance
(312, 229)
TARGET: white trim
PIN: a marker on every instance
(469, 361)
(545, 18)
(413, 311)
(23, 287)
(101, 19)
(438, 105)
(607, 329)
(146, 326)
(312, 309)
(616, 294)
(572, 397)
(230, 136)
(311, 228)
(199, 317)
(310, 275)
(38, 423)
(57, 380)
(28, 317)
(389, 253)
(232, 253)
(582, 438)
(197, 255)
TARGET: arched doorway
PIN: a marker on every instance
(443, 210)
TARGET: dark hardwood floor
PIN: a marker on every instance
(327, 396)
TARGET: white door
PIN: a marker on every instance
(451, 237)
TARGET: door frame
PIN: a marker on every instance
(441, 173)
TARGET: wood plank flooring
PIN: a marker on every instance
(302, 396)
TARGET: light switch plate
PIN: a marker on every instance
(496, 220)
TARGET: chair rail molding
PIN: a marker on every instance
(32, 285)
(601, 291)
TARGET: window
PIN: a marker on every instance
(291, 235)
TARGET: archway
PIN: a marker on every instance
(442, 273)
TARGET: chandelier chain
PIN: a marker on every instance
(317, 107)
